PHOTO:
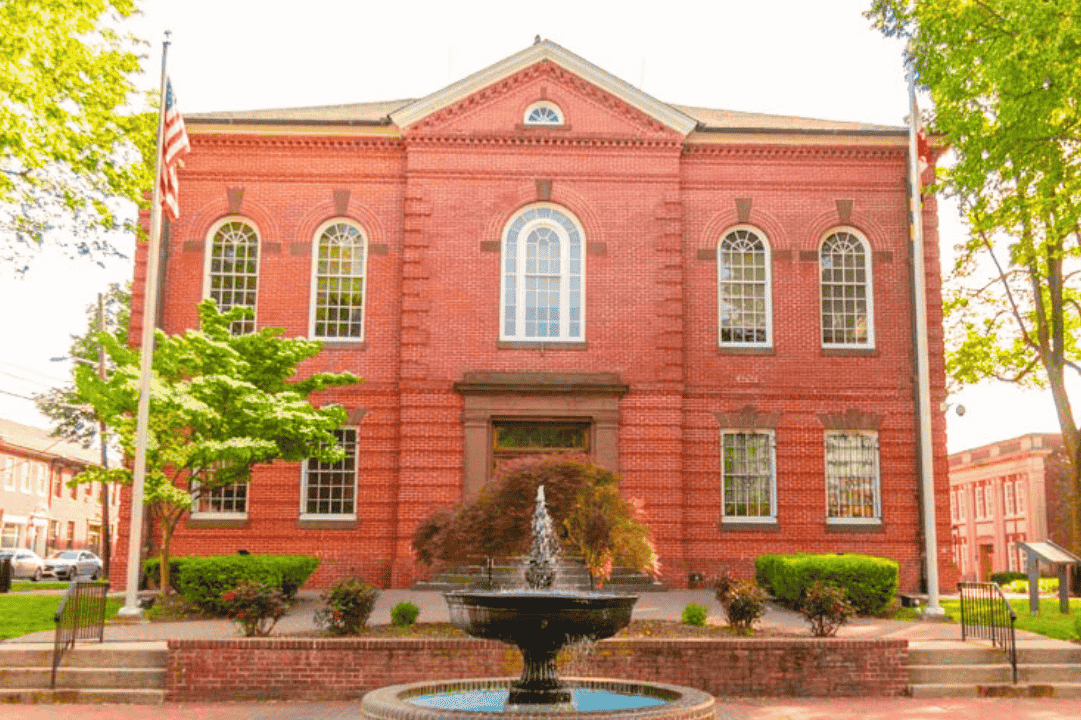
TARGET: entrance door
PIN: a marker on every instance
(513, 439)
(987, 556)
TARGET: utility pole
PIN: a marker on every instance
(106, 533)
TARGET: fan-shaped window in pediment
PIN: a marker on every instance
(543, 113)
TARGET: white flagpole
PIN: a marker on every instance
(923, 374)
(150, 301)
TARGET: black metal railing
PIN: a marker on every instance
(81, 616)
(985, 613)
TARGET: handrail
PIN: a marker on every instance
(81, 616)
(984, 611)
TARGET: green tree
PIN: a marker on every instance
(70, 145)
(1003, 75)
(220, 404)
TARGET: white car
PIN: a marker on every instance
(24, 563)
(66, 564)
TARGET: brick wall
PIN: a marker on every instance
(314, 669)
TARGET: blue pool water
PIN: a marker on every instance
(585, 700)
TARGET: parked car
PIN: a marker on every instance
(25, 563)
(66, 564)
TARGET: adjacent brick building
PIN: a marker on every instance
(38, 510)
(717, 305)
(1004, 493)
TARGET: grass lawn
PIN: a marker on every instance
(20, 585)
(22, 614)
(1050, 622)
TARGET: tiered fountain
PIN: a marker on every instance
(540, 620)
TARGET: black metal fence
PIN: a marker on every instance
(985, 613)
(5, 574)
(81, 616)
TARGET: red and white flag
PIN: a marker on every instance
(174, 145)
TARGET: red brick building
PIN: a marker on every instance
(1007, 492)
(717, 305)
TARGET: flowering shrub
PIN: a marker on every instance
(404, 613)
(257, 607)
(743, 603)
(347, 606)
(826, 608)
(695, 615)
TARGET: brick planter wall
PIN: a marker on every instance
(313, 669)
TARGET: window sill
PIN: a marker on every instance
(747, 350)
(534, 345)
(749, 524)
(342, 344)
(315, 522)
(854, 525)
(224, 520)
(849, 352)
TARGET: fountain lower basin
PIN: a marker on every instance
(400, 702)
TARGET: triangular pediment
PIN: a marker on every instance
(545, 56)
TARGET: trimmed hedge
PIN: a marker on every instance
(870, 582)
(202, 580)
(1002, 578)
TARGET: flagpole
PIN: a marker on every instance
(923, 375)
(150, 301)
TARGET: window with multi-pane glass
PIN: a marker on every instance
(340, 272)
(852, 479)
(748, 480)
(233, 270)
(743, 289)
(543, 292)
(846, 291)
(227, 500)
(329, 489)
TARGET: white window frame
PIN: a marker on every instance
(981, 503)
(543, 105)
(313, 306)
(1019, 496)
(739, 232)
(1008, 508)
(7, 468)
(208, 260)
(876, 480)
(772, 458)
(518, 228)
(198, 499)
(26, 485)
(868, 286)
(305, 471)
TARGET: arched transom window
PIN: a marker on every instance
(232, 269)
(543, 113)
(339, 269)
(543, 292)
(847, 311)
(743, 289)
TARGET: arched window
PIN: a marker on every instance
(847, 308)
(544, 112)
(232, 268)
(339, 268)
(744, 304)
(543, 291)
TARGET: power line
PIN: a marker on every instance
(24, 397)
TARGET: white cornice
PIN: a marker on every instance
(545, 50)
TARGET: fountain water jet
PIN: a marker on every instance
(540, 621)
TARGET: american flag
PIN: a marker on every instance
(174, 145)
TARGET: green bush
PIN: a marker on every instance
(152, 571)
(202, 580)
(870, 582)
(255, 606)
(347, 605)
(695, 615)
(825, 608)
(1046, 585)
(403, 614)
(1002, 578)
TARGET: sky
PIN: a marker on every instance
(788, 57)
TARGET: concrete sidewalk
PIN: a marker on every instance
(650, 606)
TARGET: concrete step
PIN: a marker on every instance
(960, 674)
(83, 656)
(84, 678)
(975, 655)
(81, 696)
(951, 690)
